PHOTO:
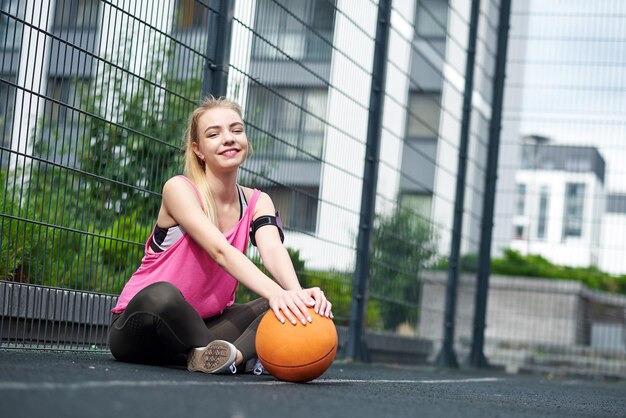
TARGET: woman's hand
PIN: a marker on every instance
(322, 305)
(294, 305)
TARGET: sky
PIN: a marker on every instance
(573, 59)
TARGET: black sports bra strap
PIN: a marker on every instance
(243, 202)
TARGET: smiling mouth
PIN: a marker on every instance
(229, 152)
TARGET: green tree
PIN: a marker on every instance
(134, 145)
(402, 244)
(82, 225)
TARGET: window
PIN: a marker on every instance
(616, 203)
(520, 199)
(10, 30)
(420, 204)
(300, 29)
(424, 111)
(573, 211)
(542, 225)
(431, 19)
(519, 232)
(293, 123)
(75, 14)
(323, 21)
(69, 93)
(297, 206)
(578, 163)
(7, 102)
(191, 14)
(61, 127)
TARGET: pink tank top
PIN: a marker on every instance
(204, 284)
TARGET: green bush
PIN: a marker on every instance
(122, 248)
(21, 243)
(39, 244)
(337, 287)
(245, 295)
(513, 263)
(126, 235)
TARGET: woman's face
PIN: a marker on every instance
(222, 141)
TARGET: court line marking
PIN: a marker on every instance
(102, 384)
(471, 380)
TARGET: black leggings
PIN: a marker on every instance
(160, 327)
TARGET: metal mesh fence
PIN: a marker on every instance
(92, 127)
(560, 182)
(95, 97)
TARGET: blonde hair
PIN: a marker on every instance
(193, 165)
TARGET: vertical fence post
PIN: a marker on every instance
(477, 357)
(356, 348)
(446, 356)
(215, 80)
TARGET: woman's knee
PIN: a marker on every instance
(157, 297)
(259, 306)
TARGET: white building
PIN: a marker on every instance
(565, 81)
(560, 203)
(612, 258)
(319, 190)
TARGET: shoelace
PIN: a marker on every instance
(232, 368)
(258, 368)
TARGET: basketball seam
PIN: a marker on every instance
(299, 365)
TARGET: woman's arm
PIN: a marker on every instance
(181, 204)
(276, 258)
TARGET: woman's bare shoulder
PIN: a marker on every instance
(249, 192)
(175, 181)
(178, 187)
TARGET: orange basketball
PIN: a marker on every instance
(296, 353)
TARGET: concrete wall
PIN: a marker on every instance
(520, 310)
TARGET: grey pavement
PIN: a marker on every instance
(37, 383)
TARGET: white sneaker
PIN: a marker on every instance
(217, 357)
(254, 366)
(258, 368)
